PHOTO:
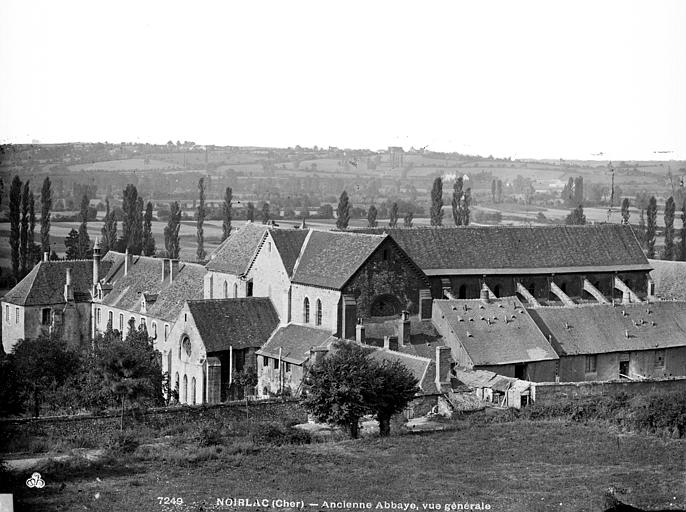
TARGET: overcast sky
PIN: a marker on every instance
(514, 78)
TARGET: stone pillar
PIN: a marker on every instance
(214, 380)
(349, 307)
(359, 332)
(390, 343)
(425, 303)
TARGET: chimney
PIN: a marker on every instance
(359, 331)
(96, 261)
(390, 343)
(128, 261)
(46, 256)
(174, 270)
(404, 329)
(166, 264)
(443, 358)
(425, 302)
(68, 290)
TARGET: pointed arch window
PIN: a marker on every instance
(226, 290)
(235, 290)
(306, 311)
(318, 314)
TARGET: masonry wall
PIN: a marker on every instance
(14, 325)
(537, 371)
(386, 272)
(270, 278)
(641, 364)
(152, 323)
(213, 286)
(269, 378)
(550, 392)
(330, 300)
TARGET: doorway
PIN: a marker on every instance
(624, 369)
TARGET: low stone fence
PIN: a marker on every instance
(157, 418)
(553, 392)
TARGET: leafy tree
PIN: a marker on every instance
(200, 253)
(46, 207)
(109, 229)
(626, 203)
(132, 223)
(682, 252)
(344, 210)
(437, 203)
(171, 231)
(246, 380)
(641, 232)
(250, 212)
(371, 216)
(24, 240)
(576, 217)
(394, 386)
(670, 208)
(43, 363)
(266, 215)
(457, 201)
(407, 220)
(464, 206)
(131, 369)
(499, 191)
(71, 242)
(84, 239)
(15, 232)
(393, 215)
(148, 238)
(326, 211)
(578, 190)
(651, 228)
(226, 217)
(34, 249)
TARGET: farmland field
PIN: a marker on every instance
(129, 164)
(512, 466)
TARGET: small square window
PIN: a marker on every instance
(265, 361)
(287, 367)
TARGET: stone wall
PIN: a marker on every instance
(550, 392)
(220, 414)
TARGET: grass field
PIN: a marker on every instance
(129, 164)
(512, 466)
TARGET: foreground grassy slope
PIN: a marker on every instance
(513, 466)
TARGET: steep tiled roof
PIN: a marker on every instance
(669, 278)
(288, 243)
(295, 342)
(235, 253)
(145, 276)
(423, 336)
(330, 259)
(237, 323)
(520, 249)
(495, 340)
(423, 368)
(45, 283)
(601, 328)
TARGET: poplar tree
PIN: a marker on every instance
(465, 212)
(109, 230)
(148, 239)
(393, 215)
(46, 207)
(457, 201)
(625, 210)
(132, 225)
(437, 203)
(200, 253)
(683, 231)
(407, 220)
(670, 208)
(250, 212)
(651, 228)
(343, 211)
(171, 231)
(84, 239)
(371, 216)
(24, 232)
(33, 248)
(226, 213)
(15, 232)
(266, 214)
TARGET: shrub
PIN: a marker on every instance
(209, 436)
(123, 442)
(276, 434)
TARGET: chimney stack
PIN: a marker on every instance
(425, 303)
(443, 357)
(173, 270)
(46, 256)
(68, 290)
(404, 329)
(166, 264)
(359, 332)
(390, 343)
(96, 261)
(128, 261)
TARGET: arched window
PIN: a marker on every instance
(318, 317)
(235, 290)
(176, 383)
(193, 391)
(185, 389)
(154, 330)
(226, 290)
(306, 311)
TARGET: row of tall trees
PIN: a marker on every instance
(345, 207)
(24, 252)
(461, 201)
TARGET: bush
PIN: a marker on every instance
(123, 442)
(209, 436)
(276, 434)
